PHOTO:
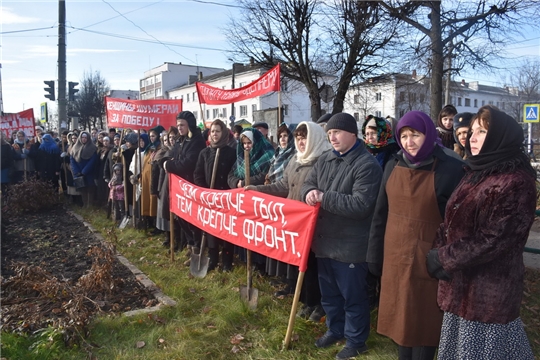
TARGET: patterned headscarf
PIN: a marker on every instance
(49, 145)
(384, 132)
(259, 156)
(282, 156)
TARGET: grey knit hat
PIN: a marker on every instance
(342, 121)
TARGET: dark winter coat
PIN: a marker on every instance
(203, 171)
(181, 161)
(350, 185)
(86, 167)
(481, 246)
(48, 165)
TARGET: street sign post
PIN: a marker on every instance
(531, 113)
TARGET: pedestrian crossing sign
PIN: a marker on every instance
(531, 113)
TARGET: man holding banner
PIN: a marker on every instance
(346, 182)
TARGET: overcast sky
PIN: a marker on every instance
(123, 47)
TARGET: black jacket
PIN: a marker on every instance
(203, 171)
(184, 156)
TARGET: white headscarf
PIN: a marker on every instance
(316, 143)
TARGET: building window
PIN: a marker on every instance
(195, 114)
(242, 84)
(207, 113)
(243, 110)
(401, 112)
(285, 110)
(356, 99)
(483, 102)
(422, 98)
(475, 103)
(187, 97)
(224, 113)
(502, 105)
(284, 85)
(253, 108)
(467, 102)
(357, 116)
(378, 113)
(182, 97)
(215, 113)
(459, 101)
(402, 96)
(158, 92)
(378, 96)
(491, 102)
(412, 97)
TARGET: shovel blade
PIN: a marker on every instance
(124, 222)
(250, 296)
(195, 269)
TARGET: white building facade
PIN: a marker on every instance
(157, 81)
(395, 94)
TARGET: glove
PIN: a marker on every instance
(23, 156)
(250, 187)
(375, 269)
(134, 180)
(107, 180)
(63, 154)
(123, 147)
(434, 266)
(26, 151)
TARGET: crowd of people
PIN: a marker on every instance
(425, 221)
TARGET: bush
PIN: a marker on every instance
(31, 196)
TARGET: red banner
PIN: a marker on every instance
(142, 114)
(279, 228)
(23, 120)
(270, 81)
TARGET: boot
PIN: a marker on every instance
(226, 260)
(213, 254)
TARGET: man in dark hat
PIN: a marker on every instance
(346, 183)
(461, 130)
(324, 119)
(185, 153)
(263, 128)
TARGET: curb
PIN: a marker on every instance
(163, 299)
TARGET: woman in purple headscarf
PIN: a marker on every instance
(416, 185)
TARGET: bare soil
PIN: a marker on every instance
(58, 246)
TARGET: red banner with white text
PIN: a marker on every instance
(279, 228)
(23, 120)
(142, 114)
(270, 81)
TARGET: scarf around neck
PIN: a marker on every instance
(281, 158)
(49, 145)
(82, 151)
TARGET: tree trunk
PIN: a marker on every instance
(436, 61)
(315, 101)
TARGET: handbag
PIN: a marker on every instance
(78, 182)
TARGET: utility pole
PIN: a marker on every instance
(62, 101)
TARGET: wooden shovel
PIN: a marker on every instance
(248, 293)
(199, 262)
(126, 218)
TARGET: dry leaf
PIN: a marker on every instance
(237, 339)
(235, 349)
(161, 341)
(140, 344)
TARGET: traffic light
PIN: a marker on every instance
(72, 91)
(50, 90)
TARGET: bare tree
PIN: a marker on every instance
(473, 30)
(311, 40)
(90, 104)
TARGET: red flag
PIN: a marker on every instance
(270, 81)
(142, 114)
(279, 228)
(23, 120)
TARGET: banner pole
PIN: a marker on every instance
(280, 115)
(294, 307)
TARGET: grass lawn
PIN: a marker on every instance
(210, 321)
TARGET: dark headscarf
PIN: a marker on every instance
(146, 140)
(503, 146)
(224, 139)
(421, 122)
(282, 156)
(259, 156)
(49, 145)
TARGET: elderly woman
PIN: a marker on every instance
(83, 164)
(310, 142)
(479, 254)
(411, 203)
(379, 139)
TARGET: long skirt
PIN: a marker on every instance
(472, 340)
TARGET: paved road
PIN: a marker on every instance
(532, 260)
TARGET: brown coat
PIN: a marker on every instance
(481, 246)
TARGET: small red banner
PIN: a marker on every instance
(270, 81)
(279, 228)
(23, 120)
(142, 114)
